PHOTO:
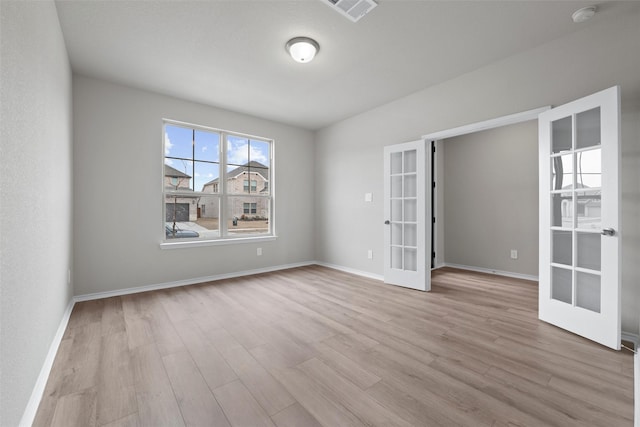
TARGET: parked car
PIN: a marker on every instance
(179, 233)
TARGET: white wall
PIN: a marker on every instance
(491, 198)
(117, 191)
(584, 62)
(35, 201)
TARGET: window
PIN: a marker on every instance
(250, 208)
(254, 186)
(216, 184)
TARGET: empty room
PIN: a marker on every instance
(319, 213)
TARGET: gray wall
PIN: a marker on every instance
(118, 199)
(491, 199)
(589, 60)
(35, 210)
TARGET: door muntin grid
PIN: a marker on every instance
(404, 210)
(576, 196)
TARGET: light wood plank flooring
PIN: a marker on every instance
(317, 347)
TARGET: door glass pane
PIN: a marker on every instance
(562, 167)
(561, 288)
(588, 250)
(410, 158)
(396, 163)
(410, 259)
(589, 210)
(561, 134)
(396, 257)
(588, 128)
(410, 210)
(396, 210)
(562, 210)
(410, 235)
(589, 169)
(396, 186)
(588, 291)
(562, 251)
(396, 234)
(409, 186)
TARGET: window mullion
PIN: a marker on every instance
(193, 158)
(223, 185)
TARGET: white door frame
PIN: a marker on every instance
(438, 136)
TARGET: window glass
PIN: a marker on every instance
(200, 202)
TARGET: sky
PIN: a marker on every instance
(205, 150)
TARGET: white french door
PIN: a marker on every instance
(579, 217)
(406, 258)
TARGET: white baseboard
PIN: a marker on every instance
(492, 271)
(186, 282)
(351, 270)
(631, 337)
(30, 411)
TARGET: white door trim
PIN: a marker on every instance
(510, 119)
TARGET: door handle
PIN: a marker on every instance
(387, 222)
(608, 232)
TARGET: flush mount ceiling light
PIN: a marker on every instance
(583, 14)
(302, 49)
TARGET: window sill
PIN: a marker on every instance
(218, 242)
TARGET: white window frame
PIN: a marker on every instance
(224, 237)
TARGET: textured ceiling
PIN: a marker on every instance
(231, 54)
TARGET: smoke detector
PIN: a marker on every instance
(352, 9)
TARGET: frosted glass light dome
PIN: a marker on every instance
(302, 49)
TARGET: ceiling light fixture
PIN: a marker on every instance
(302, 49)
(583, 14)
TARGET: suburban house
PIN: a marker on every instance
(250, 178)
(395, 249)
(181, 208)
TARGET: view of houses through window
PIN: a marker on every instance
(216, 183)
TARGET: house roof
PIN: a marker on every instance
(173, 172)
(251, 166)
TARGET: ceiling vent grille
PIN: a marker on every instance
(352, 9)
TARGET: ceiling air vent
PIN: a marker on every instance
(352, 9)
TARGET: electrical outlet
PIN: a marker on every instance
(514, 254)
(368, 197)
(259, 252)
(370, 254)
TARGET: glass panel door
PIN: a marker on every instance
(405, 195)
(579, 197)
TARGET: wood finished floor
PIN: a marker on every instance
(317, 347)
